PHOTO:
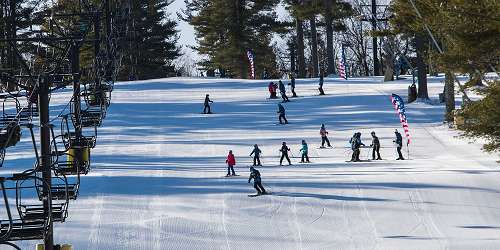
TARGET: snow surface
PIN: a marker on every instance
(157, 179)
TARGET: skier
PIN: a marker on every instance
(265, 74)
(284, 154)
(281, 111)
(376, 146)
(283, 91)
(304, 151)
(257, 182)
(207, 105)
(256, 155)
(399, 144)
(231, 161)
(355, 145)
(292, 85)
(321, 81)
(324, 137)
(272, 90)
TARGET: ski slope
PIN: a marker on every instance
(157, 179)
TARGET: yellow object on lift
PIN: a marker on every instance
(62, 247)
(75, 152)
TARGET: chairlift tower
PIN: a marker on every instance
(374, 17)
(40, 60)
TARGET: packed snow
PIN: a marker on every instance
(158, 177)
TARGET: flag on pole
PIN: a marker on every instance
(399, 106)
(342, 65)
(252, 65)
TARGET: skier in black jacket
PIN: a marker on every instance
(399, 144)
(283, 91)
(256, 155)
(292, 85)
(284, 154)
(207, 105)
(257, 182)
(376, 146)
(321, 81)
(281, 111)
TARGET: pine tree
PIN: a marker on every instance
(467, 33)
(153, 40)
(225, 30)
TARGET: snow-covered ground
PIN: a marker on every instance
(157, 179)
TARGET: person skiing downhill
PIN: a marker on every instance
(207, 105)
(257, 182)
(272, 90)
(321, 81)
(256, 155)
(231, 161)
(324, 136)
(283, 91)
(399, 144)
(284, 154)
(304, 151)
(376, 146)
(281, 111)
(292, 85)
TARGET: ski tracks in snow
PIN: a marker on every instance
(95, 237)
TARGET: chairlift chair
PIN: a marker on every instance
(22, 228)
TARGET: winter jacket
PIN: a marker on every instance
(375, 141)
(255, 175)
(231, 161)
(323, 132)
(399, 139)
(282, 87)
(207, 101)
(284, 150)
(256, 151)
(304, 148)
(281, 109)
(271, 88)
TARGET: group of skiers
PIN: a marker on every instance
(356, 144)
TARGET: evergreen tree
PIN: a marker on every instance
(483, 117)
(225, 30)
(467, 32)
(153, 38)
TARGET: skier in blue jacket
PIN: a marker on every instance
(304, 151)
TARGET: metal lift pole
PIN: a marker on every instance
(46, 163)
(376, 63)
(75, 69)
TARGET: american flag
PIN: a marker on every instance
(341, 65)
(399, 106)
(252, 65)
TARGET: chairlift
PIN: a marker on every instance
(72, 140)
(31, 224)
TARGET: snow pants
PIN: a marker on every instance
(230, 169)
(282, 117)
(376, 149)
(323, 140)
(283, 156)
(207, 107)
(256, 161)
(258, 186)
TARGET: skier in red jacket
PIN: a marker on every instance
(231, 161)
(272, 90)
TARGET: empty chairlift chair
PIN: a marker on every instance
(30, 224)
